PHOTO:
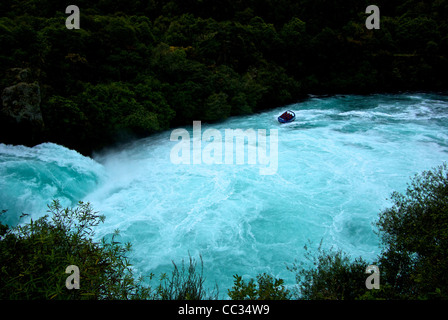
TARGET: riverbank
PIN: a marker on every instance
(132, 71)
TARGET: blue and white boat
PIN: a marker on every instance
(287, 116)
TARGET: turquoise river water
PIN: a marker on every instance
(337, 164)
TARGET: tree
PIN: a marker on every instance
(414, 33)
(34, 257)
(295, 43)
(413, 264)
(414, 233)
(114, 110)
(332, 275)
(64, 117)
(217, 107)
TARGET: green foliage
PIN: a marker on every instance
(217, 107)
(331, 276)
(266, 288)
(65, 117)
(414, 234)
(206, 60)
(139, 67)
(413, 264)
(34, 257)
(116, 108)
(186, 283)
(414, 33)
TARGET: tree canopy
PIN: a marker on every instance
(174, 61)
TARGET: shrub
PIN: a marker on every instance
(332, 276)
(186, 283)
(34, 257)
(413, 264)
(266, 288)
(414, 234)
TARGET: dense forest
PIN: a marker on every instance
(138, 67)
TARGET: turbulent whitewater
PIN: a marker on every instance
(337, 165)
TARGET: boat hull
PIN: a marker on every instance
(284, 119)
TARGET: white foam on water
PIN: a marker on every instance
(30, 178)
(337, 165)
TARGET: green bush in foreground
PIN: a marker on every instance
(185, 283)
(266, 288)
(333, 276)
(34, 257)
(414, 261)
(414, 233)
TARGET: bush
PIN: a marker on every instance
(185, 283)
(414, 261)
(414, 234)
(34, 257)
(333, 276)
(266, 288)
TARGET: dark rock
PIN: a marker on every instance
(21, 120)
(22, 102)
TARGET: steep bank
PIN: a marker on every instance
(134, 70)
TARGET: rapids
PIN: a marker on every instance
(337, 165)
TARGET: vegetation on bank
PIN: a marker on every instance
(138, 67)
(413, 263)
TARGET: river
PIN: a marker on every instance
(337, 165)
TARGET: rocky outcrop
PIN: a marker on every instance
(22, 102)
(21, 118)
